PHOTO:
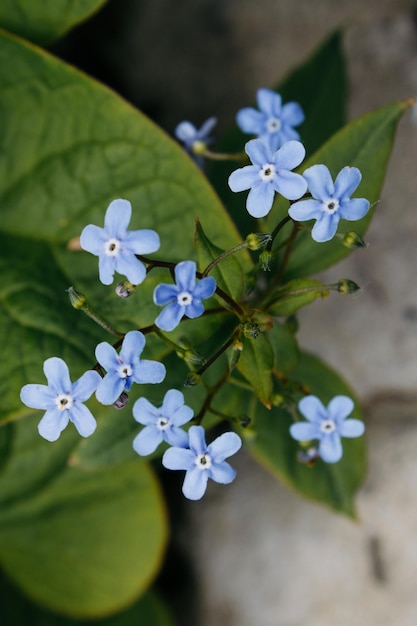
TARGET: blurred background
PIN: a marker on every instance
(256, 554)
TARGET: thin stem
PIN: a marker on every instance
(224, 296)
(220, 156)
(207, 402)
(276, 230)
(288, 250)
(216, 355)
(224, 255)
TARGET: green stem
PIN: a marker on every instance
(288, 250)
(224, 255)
(207, 402)
(241, 157)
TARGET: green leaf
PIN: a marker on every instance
(332, 484)
(255, 363)
(285, 348)
(300, 292)
(42, 21)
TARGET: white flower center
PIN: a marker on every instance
(327, 426)
(162, 423)
(184, 298)
(331, 206)
(112, 247)
(203, 461)
(267, 172)
(273, 125)
(63, 401)
(124, 370)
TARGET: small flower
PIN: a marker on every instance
(183, 298)
(125, 368)
(196, 141)
(161, 424)
(327, 425)
(274, 121)
(116, 247)
(269, 173)
(331, 201)
(62, 400)
(202, 462)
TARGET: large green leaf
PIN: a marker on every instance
(255, 363)
(42, 21)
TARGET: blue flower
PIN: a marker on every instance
(274, 122)
(183, 298)
(116, 247)
(161, 424)
(327, 425)
(331, 201)
(202, 462)
(196, 141)
(125, 368)
(62, 400)
(269, 173)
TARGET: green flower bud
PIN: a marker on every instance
(265, 259)
(244, 421)
(199, 147)
(193, 379)
(250, 330)
(346, 286)
(78, 300)
(256, 241)
(125, 289)
(352, 240)
(192, 357)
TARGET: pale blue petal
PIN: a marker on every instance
(186, 132)
(178, 459)
(176, 437)
(133, 343)
(354, 209)
(165, 293)
(82, 419)
(250, 121)
(330, 448)
(222, 473)
(204, 288)
(193, 310)
(339, 408)
(195, 484)
(224, 446)
(144, 412)
(352, 428)
(320, 183)
(38, 397)
(107, 356)
(173, 401)
(106, 268)
(110, 388)
(258, 151)
(325, 228)
(170, 317)
(92, 239)
(305, 210)
(126, 264)
(149, 372)
(260, 199)
(117, 218)
(142, 241)
(289, 156)
(85, 386)
(269, 101)
(304, 431)
(243, 178)
(206, 128)
(197, 440)
(290, 185)
(292, 114)
(312, 409)
(287, 133)
(182, 415)
(57, 375)
(52, 424)
(185, 275)
(346, 182)
(147, 440)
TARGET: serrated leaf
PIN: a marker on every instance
(300, 292)
(42, 21)
(255, 363)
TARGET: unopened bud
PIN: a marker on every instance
(250, 330)
(121, 401)
(256, 241)
(244, 421)
(352, 240)
(308, 456)
(277, 399)
(193, 379)
(78, 300)
(192, 357)
(199, 147)
(265, 259)
(125, 289)
(346, 286)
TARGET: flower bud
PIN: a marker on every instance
(78, 300)
(198, 147)
(256, 241)
(125, 289)
(265, 259)
(352, 240)
(308, 456)
(193, 379)
(244, 421)
(250, 330)
(121, 401)
(192, 357)
(346, 286)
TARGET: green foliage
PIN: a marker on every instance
(286, 300)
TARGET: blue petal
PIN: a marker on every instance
(142, 241)
(289, 156)
(290, 185)
(186, 132)
(147, 440)
(132, 346)
(222, 473)
(170, 317)
(204, 288)
(224, 446)
(305, 210)
(304, 431)
(354, 209)
(52, 424)
(176, 437)
(178, 459)
(185, 275)
(312, 409)
(269, 101)
(250, 121)
(258, 151)
(85, 386)
(173, 401)
(57, 374)
(195, 309)
(243, 178)
(330, 448)
(110, 388)
(352, 428)
(126, 264)
(165, 293)
(92, 239)
(82, 419)
(347, 181)
(38, 397)
(182, 415)
(339, 408)
(325, 228)
(117, 218)
(195, 484)
(206, 128)
(292, 114)
(197, 440)
(107, 356)
(320, 183)
(144, 412)
(106, 268)
(260, 199)
(149, 372)
(287, 133)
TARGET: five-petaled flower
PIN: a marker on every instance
(161, 424)
(62, 400)
(183, 298)
(125, 368)
(202, 461)
(269, 173)
(331, 201)
(327, 425)
(116, 247)
(196, 140)
(274, 121)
